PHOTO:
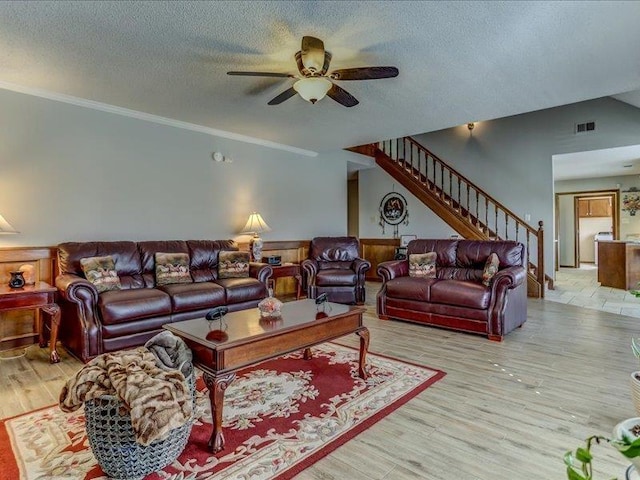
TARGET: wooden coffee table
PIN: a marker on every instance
(241, 339)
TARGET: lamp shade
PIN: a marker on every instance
(256, 224)
(312, 89)
(5, 227)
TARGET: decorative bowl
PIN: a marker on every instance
(270, 307)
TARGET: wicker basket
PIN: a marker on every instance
(114, 444)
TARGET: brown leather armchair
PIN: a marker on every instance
(334, 268)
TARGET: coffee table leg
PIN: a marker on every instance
(53, 310)
(364, 347)
(217, 385)
(307, 354)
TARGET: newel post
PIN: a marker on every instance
(540, 270)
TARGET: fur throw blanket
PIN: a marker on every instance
(171, 352)
(158, 400)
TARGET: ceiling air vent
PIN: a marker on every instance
(586, 127)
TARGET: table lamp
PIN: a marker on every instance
(5, 227)
(256, 225)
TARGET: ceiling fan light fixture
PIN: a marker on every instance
(312, 89)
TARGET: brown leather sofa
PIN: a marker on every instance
(457, 299)
(93, 323)
(334, 268)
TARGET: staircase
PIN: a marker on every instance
(464, 206)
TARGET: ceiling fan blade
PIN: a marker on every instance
(261, 74)
(341, 96)
(327, 61)
(364, 73)
(286, 95)
(312, 53)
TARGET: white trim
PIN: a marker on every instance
(81, 102)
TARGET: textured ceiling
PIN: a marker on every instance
(458, 61)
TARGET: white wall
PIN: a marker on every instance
(589, 227)
(71, 173)
(511, 158)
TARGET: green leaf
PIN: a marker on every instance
(573, 475)
(583, 455)
(568, 459)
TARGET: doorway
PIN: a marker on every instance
(594, 217)
(579, 217)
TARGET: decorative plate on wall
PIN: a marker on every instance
(393, 211)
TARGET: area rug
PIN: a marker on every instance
(280, 417)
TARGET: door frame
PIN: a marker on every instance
(615, 214)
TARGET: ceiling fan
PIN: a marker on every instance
(313, 80)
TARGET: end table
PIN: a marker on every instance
(287, 270)
(40, 296)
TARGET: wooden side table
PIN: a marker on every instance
(39, 296)
(287, 270)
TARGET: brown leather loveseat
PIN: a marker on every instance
(457, 298)
(93, 323)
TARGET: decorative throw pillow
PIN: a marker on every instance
(172, 268)
(101, 271)
(423, 265)
(490, 269)
(232, 264)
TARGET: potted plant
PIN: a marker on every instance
(626, 439)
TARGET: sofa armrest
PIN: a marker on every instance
(82, 327)
(392, 269)
(361, 266)
(76, 289)
(261, 271)
(309, 270)
(513, 276)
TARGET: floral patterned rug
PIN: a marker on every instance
(279, 418)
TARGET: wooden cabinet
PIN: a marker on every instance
(377, 250)
(594, 207)
(619, 264)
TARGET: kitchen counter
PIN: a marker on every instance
(619, 264)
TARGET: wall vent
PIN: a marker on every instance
(586, 127)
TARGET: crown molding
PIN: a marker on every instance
(104, 107)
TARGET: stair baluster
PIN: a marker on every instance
(433, 179)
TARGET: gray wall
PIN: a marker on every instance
(71, 173)
(376, 183)
(511, 158)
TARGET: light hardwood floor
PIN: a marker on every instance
(505, 411)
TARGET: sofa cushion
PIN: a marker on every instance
(194, 296)
(147, 253)
(172, 268)
(490, 269)
(411, 288)
(233, 264)
(422, 311)
(127, 305)
(423, 265)
(348, 265)
(334, 249)
(241, 290)
(336, 276)
(474, 253)
(204, 257)
(124, 254)
(461, 293)
(101, 271)
(446, 250)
